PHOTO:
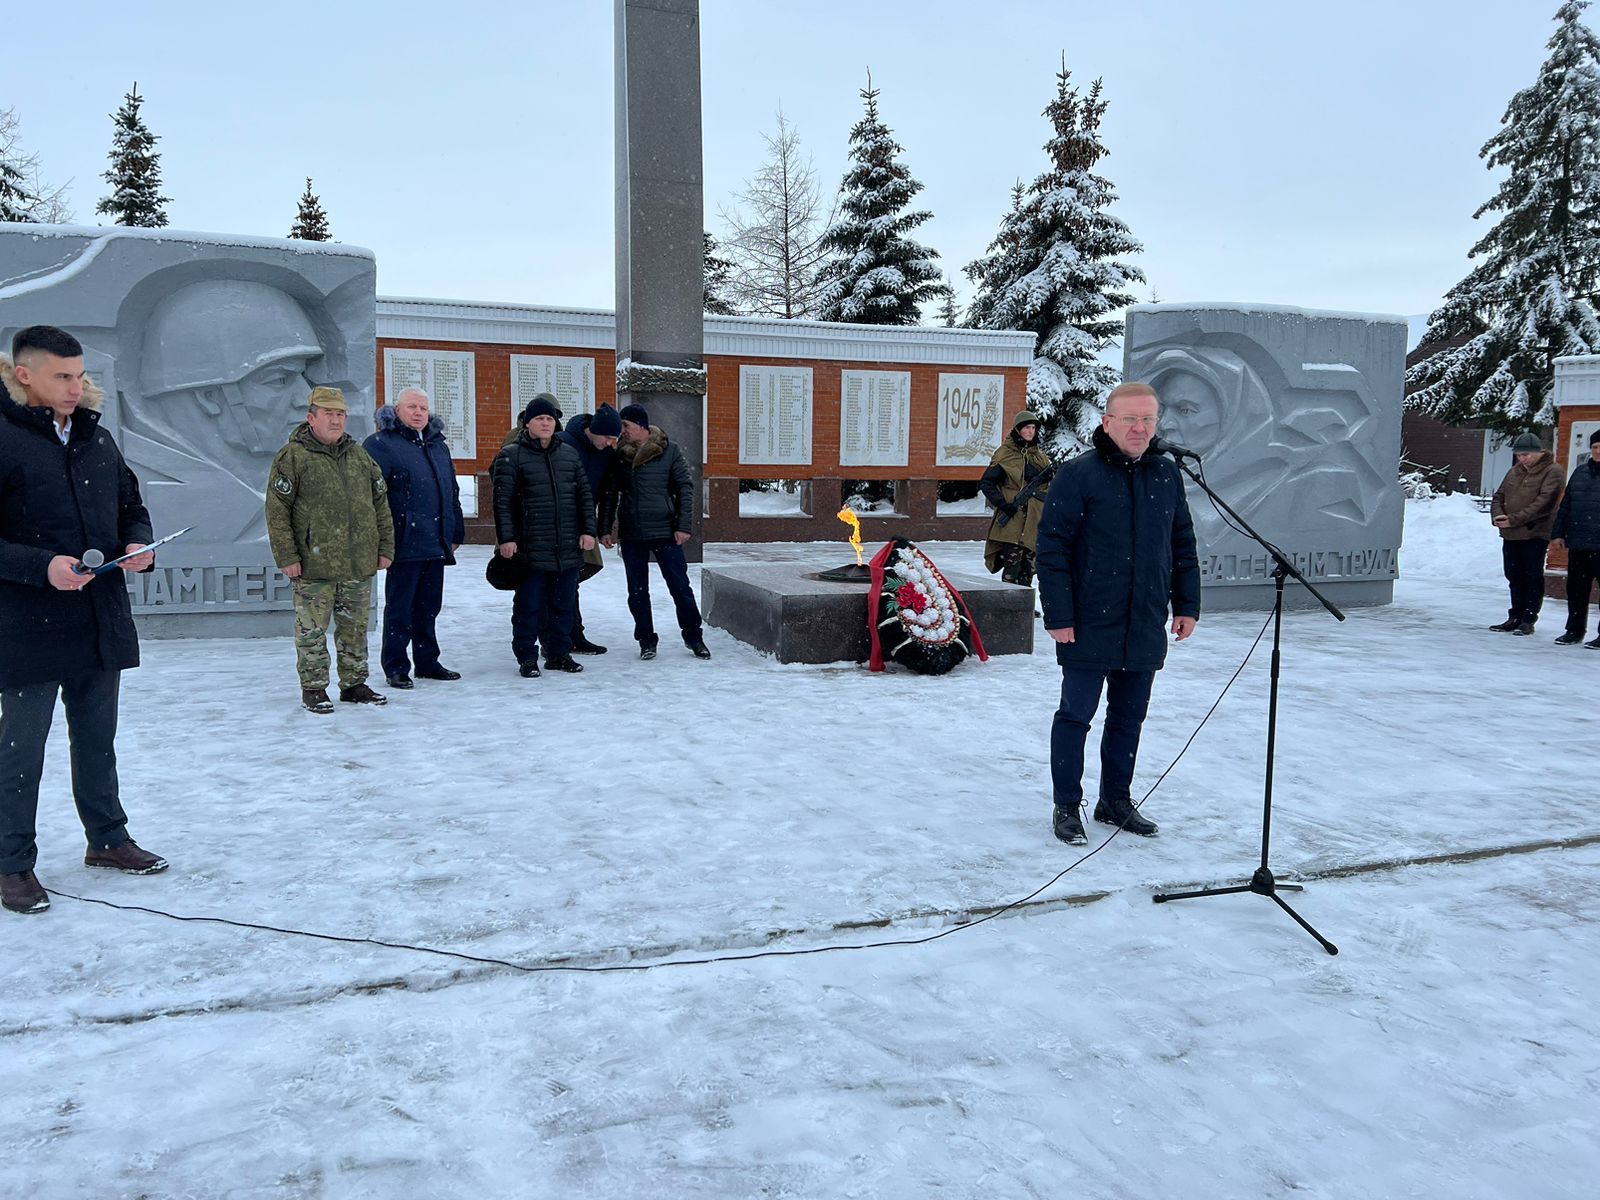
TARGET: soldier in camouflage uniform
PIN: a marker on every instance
(331, 530)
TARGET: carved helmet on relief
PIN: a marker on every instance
(217, 334)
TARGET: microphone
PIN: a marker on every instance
(91, 562)
(1160, 445)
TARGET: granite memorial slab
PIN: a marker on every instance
(784, 610)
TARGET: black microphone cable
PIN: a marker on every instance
(706, 960)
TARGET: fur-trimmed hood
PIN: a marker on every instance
(93, 397)
(388, 419)
(636, 454)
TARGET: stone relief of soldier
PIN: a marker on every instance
(225, 371)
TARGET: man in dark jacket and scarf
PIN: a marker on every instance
(1523, 510)
(1577, 531)
(64, 490)
(425, 502)
(595, 439)
(544, 514)
(1116, 553)
(649, 507)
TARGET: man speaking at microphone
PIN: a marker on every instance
(1116, 555)
(64, 491)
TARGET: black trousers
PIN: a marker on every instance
(1583, 568)
(1524, 564)
(25, 714)
(413, 594)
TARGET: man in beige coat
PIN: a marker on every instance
(1524, 510)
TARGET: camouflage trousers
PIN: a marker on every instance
(348, 606)
(1017, 565)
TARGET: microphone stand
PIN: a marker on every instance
(1263, 882)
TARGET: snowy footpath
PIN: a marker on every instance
(1435, 790)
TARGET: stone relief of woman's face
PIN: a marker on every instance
(1191, 412)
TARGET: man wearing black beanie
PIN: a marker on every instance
(649, 506)
(594, 438)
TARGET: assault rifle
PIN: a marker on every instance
(1026, 494)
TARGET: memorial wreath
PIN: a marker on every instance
(915, 616)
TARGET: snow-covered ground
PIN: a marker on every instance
(1090, 1044)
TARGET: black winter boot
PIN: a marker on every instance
(582, 645)
(1121, 812)
(1068, 826)
(1509, 625)
(529, 669)
(565, 663)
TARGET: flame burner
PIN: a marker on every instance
(856, 572)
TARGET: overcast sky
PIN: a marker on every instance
(1322, 154)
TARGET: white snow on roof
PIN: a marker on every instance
(1269, 310)
(188, 237)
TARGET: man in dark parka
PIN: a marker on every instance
(64, 490)
(1116, 554)
(649, 508)
(543, 514)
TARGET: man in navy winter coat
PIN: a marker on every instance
(64, 490)
(425, 502)
(1116, 553)
(1577, 531)
(595, 440)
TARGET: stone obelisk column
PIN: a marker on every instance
(660, 224)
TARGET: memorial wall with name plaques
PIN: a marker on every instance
(795, 400)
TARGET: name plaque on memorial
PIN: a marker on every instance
(570, 380)
(775, 416)
(449, 378)
(970, 407)
(874, 418)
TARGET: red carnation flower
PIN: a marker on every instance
(909, 597)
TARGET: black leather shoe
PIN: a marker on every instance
(1523, 630)
(1569, 639)
(647, 652)
(401, 683)
(1069, 826)
(582, 645)
(565, 663)
(699, 650)
(529, 670)
(22, 892)
(1122, 813)
(1507, 626)
(441, 673)
(127, 858)
(1593, 645)
(362, 694)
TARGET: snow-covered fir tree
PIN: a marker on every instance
(875, 274)
(1531, 296)
(15, 201)
(949, 313)
(135, 171)
(1055, 269)
(717, 271)
(311, 222)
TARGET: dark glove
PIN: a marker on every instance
(1008, 510)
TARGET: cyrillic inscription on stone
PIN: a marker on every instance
(775, 416)
(450, 379)
(569, 380)
(874, 418)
